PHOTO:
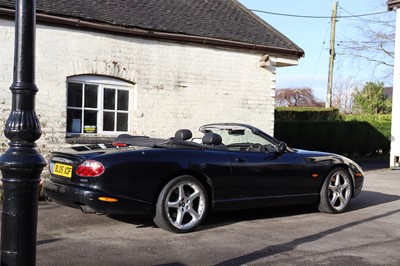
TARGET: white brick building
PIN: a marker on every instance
(98, 79)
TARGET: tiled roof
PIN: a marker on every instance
(393, 4)
(219, 19)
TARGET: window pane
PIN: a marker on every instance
(91, 95)
(97, 108)
(108, 121)
(123, 100)
(74, 97)
(122, 122)
(74, 121)
(109, 99)
(90, 121)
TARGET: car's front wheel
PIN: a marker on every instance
(182, 205)
(336, 191)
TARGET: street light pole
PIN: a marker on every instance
(21, 165)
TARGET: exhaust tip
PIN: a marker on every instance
(86, 209)
(47, 199)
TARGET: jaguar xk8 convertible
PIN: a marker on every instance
(180, 179)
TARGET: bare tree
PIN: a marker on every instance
(296, 97)
(373, 45)
(343, 93)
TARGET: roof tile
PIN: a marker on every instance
(227, 20)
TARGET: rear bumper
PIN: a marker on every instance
(76, 196)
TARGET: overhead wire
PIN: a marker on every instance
(361, 18)
(301, 17)
(317, 17)
(319, 57)
(350, 15)
(347, 15)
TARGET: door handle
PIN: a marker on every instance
(239, 160)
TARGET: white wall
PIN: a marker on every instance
(177, 86)
(395, 144)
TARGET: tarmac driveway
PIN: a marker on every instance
(368, 234)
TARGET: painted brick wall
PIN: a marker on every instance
(176, 85)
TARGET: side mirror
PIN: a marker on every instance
(282, 147)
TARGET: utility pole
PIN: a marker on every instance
(21, 165)
(331, 56)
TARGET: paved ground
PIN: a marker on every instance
(368, 234)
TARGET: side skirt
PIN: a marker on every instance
(248, 203)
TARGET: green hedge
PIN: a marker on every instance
(367, 118)
(382, 123)
(342, 137)
(306, 114)
(326, 130)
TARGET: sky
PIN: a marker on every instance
(313, 36)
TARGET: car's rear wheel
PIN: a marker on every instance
(336, 191)
(182, 205)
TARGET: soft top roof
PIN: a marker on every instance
(141, 141)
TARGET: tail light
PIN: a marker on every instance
(119, 144)
(90, 168)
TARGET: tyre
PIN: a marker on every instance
(336, 191)
(182, 205)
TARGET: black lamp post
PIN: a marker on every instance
(21, 165)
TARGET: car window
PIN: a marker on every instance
(244, 140)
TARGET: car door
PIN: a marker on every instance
(263, 174)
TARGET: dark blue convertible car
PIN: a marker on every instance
(179, 180)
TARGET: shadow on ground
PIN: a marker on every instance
(366, 199)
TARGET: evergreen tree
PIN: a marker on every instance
(372, 99)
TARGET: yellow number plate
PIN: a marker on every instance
(62, 170)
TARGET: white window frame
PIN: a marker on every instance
(102, 82)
